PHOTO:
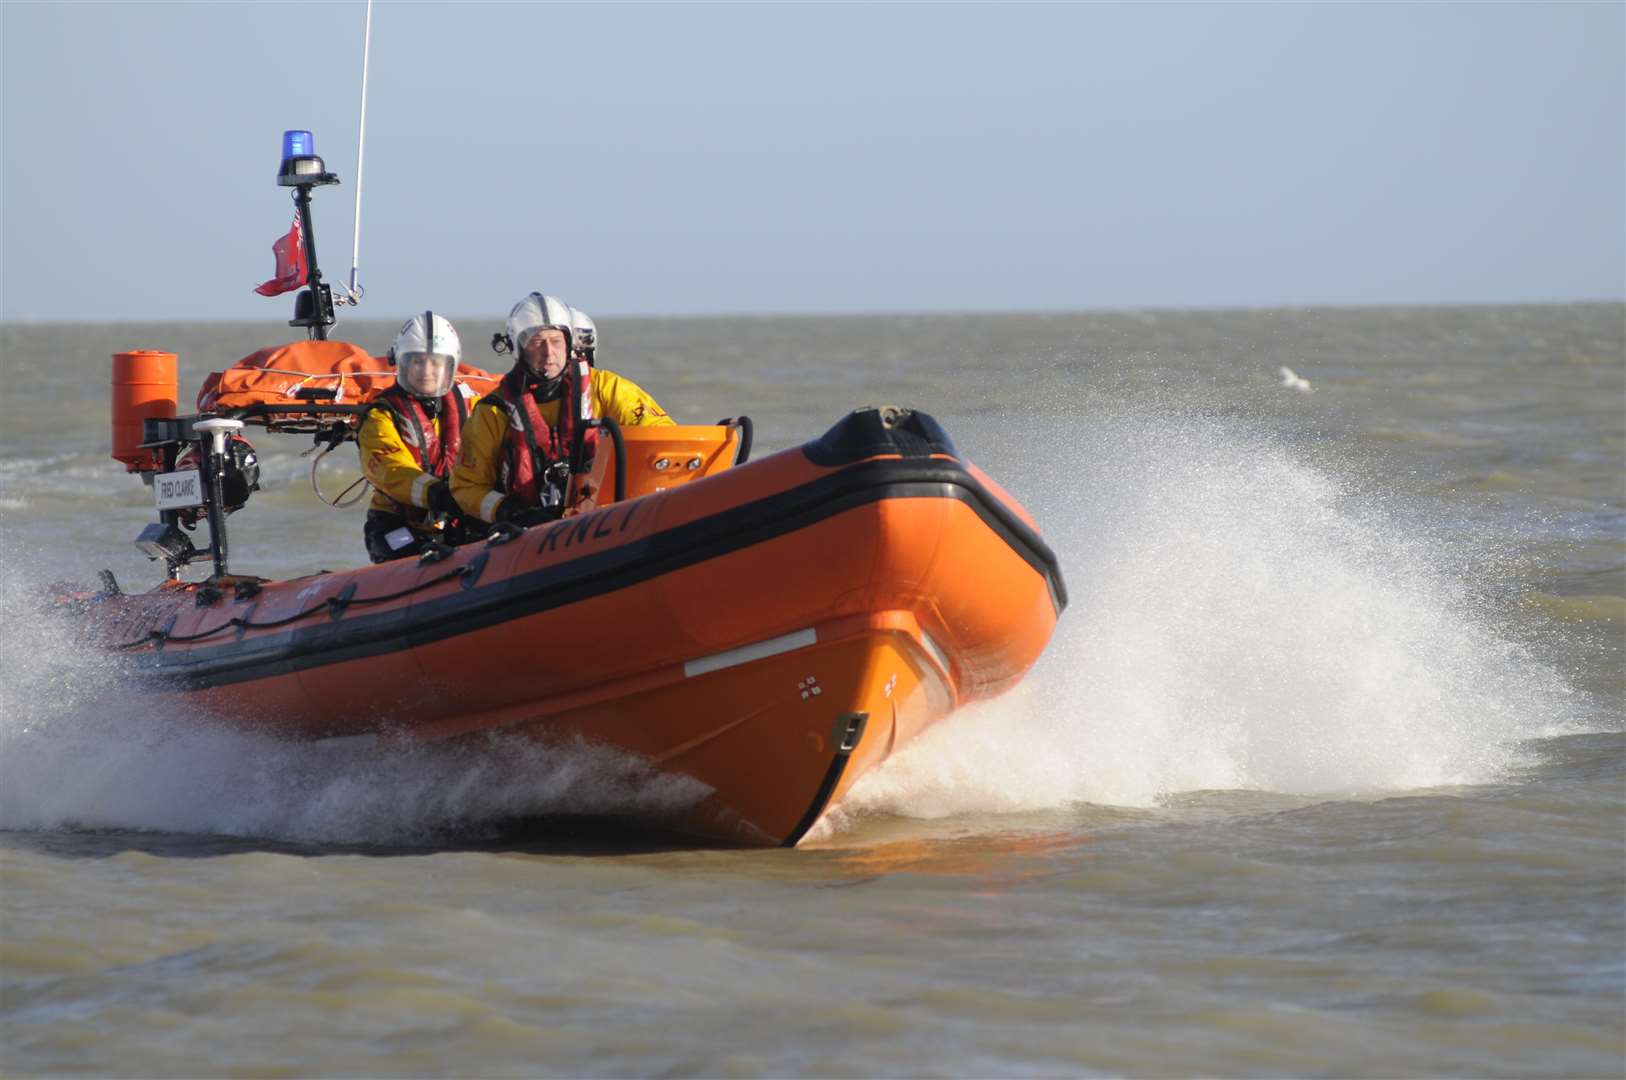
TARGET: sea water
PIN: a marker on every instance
(1322, 774)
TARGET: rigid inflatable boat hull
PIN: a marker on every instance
(772, 632)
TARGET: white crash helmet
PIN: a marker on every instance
(585, 339)
(536, 313)
(426, 353)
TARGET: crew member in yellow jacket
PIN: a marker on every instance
(409, 441)
(515, 464)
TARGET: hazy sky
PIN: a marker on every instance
(685, 158)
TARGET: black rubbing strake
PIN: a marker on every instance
(591, 575)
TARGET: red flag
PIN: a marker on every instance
(291, 268)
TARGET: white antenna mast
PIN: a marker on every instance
(361, 146)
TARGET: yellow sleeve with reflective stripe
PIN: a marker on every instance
(625, 402)
(388, 464)
(474, 477)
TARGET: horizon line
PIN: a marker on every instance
(953, 313)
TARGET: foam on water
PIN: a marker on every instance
(1240, 618)
(75, 752)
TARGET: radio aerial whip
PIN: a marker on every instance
(303, 170)
(355, 290)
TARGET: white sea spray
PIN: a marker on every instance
(1241, 617)
(82, 747)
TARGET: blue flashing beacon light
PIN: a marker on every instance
(300, 165)
(297, 144)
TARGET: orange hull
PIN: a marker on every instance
(771, 631)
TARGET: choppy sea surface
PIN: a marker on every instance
(1324, 773)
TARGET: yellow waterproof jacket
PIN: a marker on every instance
(474, 479)
(400, 486)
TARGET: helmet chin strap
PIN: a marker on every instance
(547, 389)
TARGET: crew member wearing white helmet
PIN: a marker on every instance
(410, 441)
(584, 342)
(515, 464)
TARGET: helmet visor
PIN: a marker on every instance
(425, 374)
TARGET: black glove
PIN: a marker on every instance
(510, 512)
(441, 501)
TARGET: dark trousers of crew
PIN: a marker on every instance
(388, 536)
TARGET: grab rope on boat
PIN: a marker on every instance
(333, 605)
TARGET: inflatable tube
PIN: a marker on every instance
(772, 630)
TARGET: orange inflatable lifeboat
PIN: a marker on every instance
(770, 629)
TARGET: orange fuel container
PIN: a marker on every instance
(144, 385)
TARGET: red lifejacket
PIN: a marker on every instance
(434, 453)
(533, 445)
